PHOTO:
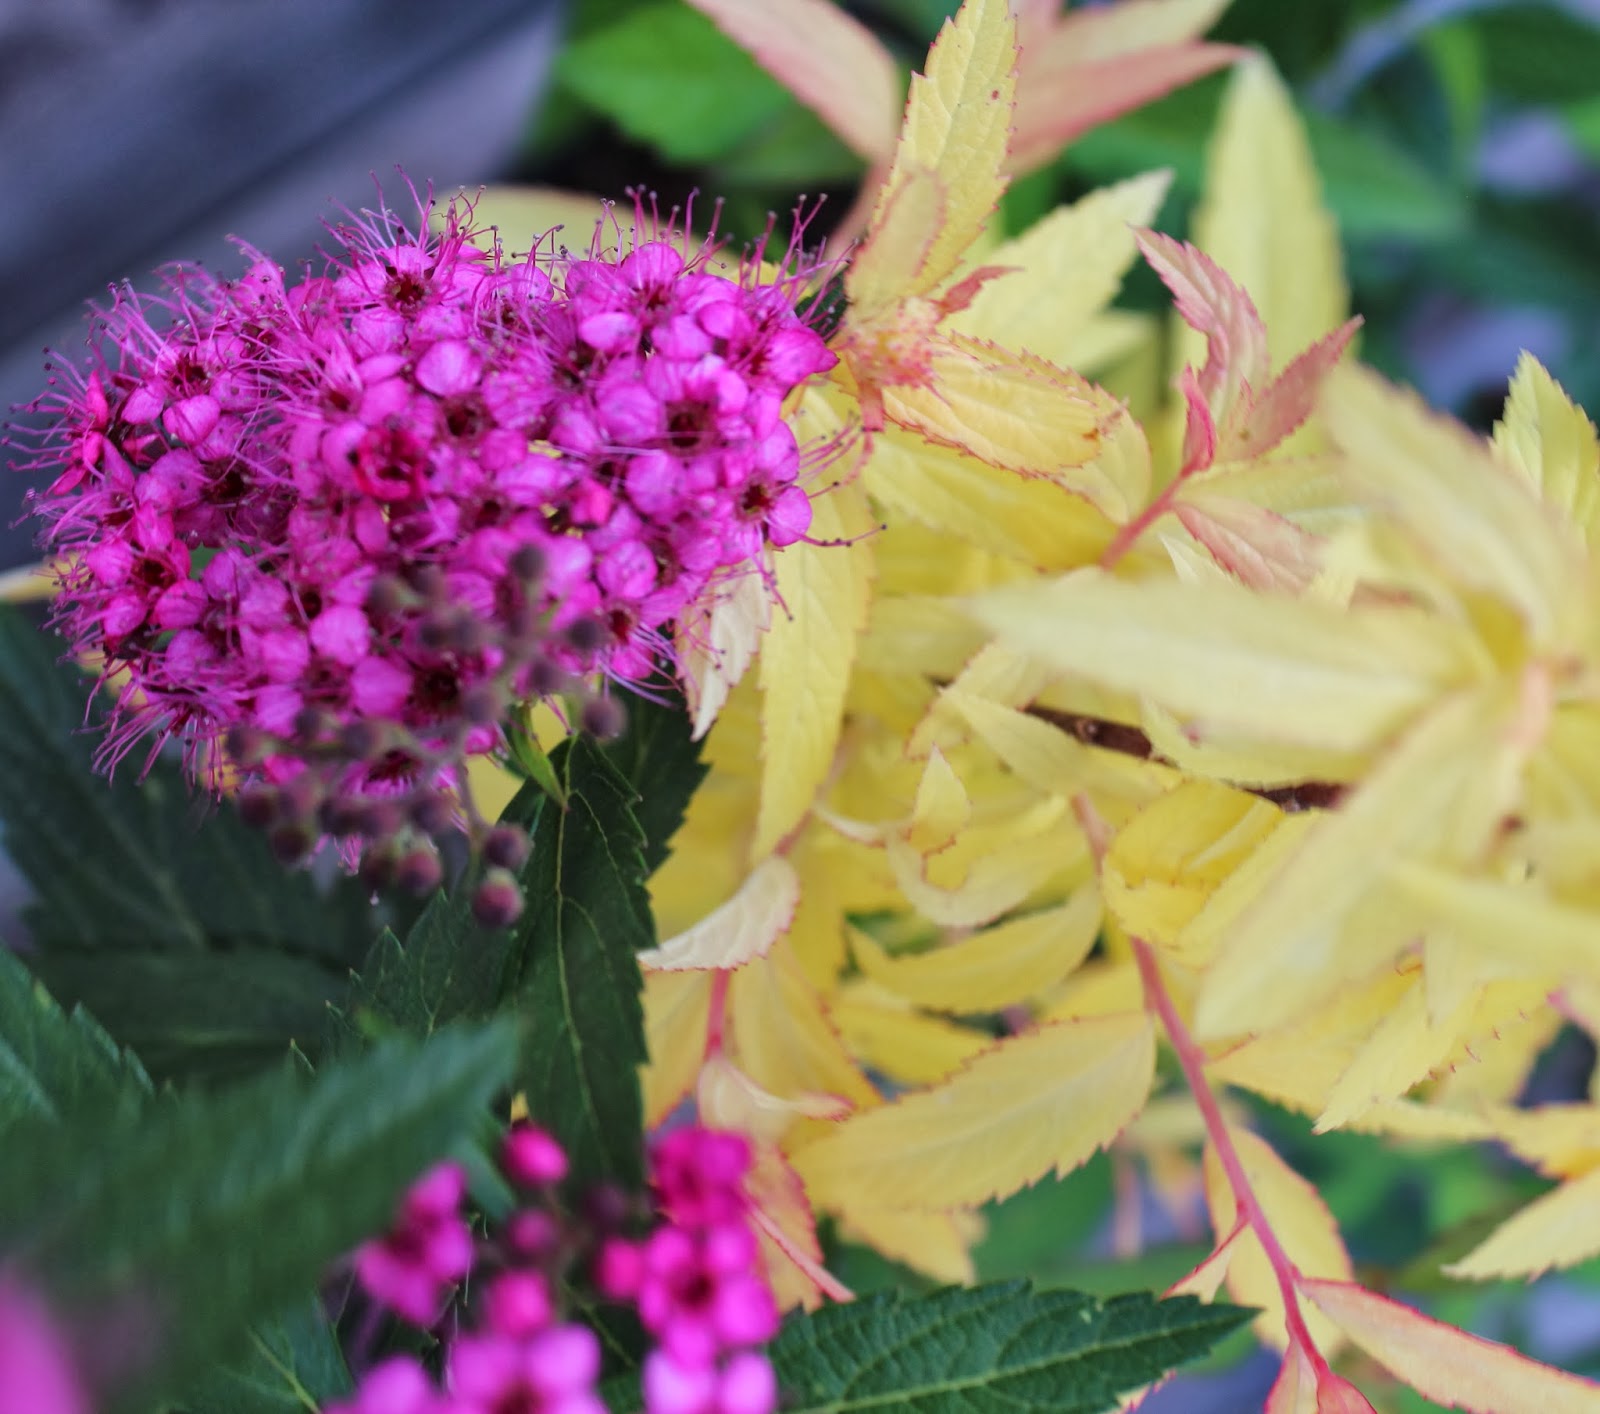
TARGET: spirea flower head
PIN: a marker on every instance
(342, 523)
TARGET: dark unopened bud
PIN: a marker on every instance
(527, 563)
(309, 725)
(603, 717)
(467, 635)
(607, 1207)
(482, 704)
(386, 595)
(434, 632)
(506, 847)
(290, 843)
(382, 819)
(545, 678)
(258, 806)
(247, 745)
(377, 867)
(342, 816)
(300, 799)
(364, 740)
(419, 871)
(433, 813)
(497, 901)
(427, 580)
(586, 635)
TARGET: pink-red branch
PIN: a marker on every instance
(1191, 1058)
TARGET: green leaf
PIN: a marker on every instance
(571, 967)
(211, 1016)
(661, 761)
(198, 1217)
(993, 1348)
(294, 1365)
(52, 1065)
(1374, 189)
(131, 861)
(448, 969)
(667, 76)
(1539, 54)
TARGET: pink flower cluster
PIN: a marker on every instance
(343, 522)
(38, 1374)
(695, 1280)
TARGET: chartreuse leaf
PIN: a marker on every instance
(196, 1217)
(54, 1065)
(1048, 1099)
(988, 1349)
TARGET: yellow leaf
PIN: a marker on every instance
(493, 786)
(1408, 1045)
(1559, 1229)
(942, 807)
(830, 61)
(1518, 926)
(1046, 1100)
(806, 660)
(1009, 409)
(1262, 217)
(745, 927)
(1551, 441)
(1002, 966)
(888, 1035)
(1274, 669)
(1108, 31)
(995, 869)
(1560, 1140)
(783, 1037)
(716, 640)
(1205, 1281)
(1063, 269)
(1098, 988)
(957, 122)
(1295, 1212)
(935, 1244)
(1053, 760)
(1446, 1365)
(677, 1007)
(1166, 862)
(1440, 794)
(1034, 520)
(1472, 513)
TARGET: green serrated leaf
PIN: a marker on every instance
(54, 1065)
(196, 1218)
(667, 76)
(528, 759)
(994, 1348)
(662, 762)
(571, 967)
(135, 861)
(212, 1016)
(448, 969)
(294, 1366)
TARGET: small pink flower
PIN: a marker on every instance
(429, 1249)
(551, 1373)
(37, 1372)
(532, 1156)
(398, 1386)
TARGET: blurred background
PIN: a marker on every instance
(1459, 145)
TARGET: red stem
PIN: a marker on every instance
(717, 1013)
(1192, 1059)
